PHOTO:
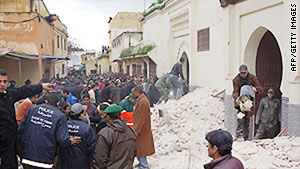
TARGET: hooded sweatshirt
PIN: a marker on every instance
(115, 147)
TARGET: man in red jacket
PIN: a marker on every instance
(219, 148)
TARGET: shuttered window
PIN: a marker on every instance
(203, 40)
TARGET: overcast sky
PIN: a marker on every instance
(87, 19)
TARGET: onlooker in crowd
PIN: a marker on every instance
(152, 92)
(28, 82)
(116, 92)
(105, 93)
(219, 149)
(116, 143)
(25, 105)
(128, 103)
(142, 127)
(68, 97)
(92, 93)
(8, 123)
(85, 91)
(12, 84)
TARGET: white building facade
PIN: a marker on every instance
(217, 36)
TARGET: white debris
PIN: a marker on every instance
(180, 142)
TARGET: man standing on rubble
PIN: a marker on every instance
(242, 79)
(163, 85)
(174, 77)
(268, 116)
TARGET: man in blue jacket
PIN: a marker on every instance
(42, 128)
(81, 155)
(68, 97)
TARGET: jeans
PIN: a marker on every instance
(177, 86)
(143, 163)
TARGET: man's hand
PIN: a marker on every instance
(47, 86)
(254, 90)
(256, 122)
(75, 140)
(237, 101)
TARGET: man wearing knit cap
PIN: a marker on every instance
(116, 143)
(268, 116)
(219, 148)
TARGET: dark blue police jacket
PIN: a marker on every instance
(78, 156)
(42, 128)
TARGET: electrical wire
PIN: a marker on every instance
(27, 20)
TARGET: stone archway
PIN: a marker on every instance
(186, 67)
(263, 56)
(184, 52)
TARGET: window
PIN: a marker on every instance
(134, 69)
(62, 45)
(57, 41)
(63, 69)
(65, 43)
(203, 40)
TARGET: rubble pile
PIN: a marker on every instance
(180, 143)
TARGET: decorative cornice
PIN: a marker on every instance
(225, 3)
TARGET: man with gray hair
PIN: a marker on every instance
(268, 116)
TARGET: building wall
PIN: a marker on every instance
(24, 6)
(89, 60)
(122, 22)
(29, 70)
(123, 41)
(235, 33)
(60, 30)
(104, 63)
(15, 5)
(61, 68)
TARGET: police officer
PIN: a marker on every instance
(41, 130)
(81, 155)
(268, 116)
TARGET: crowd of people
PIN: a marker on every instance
(97, 121)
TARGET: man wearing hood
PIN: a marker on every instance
(116, 143)
(128, 103)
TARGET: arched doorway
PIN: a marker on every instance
(263, 56)
(268, 66)
(186, 67)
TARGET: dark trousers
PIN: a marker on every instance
(243, 128)
(268, 132)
